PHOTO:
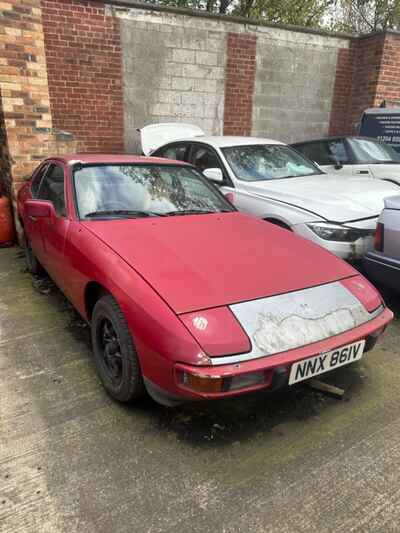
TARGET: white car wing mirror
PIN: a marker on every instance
(214, 174)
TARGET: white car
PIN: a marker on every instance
(272, 181)
(358, 156)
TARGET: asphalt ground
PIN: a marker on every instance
(73, 460)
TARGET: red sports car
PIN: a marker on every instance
(186, 297)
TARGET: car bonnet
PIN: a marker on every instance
(332, 197)
(203, 261)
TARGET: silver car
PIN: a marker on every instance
(354, 156)
(383, 263)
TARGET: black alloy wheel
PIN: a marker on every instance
(115, 356)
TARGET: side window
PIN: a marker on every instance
(174, 151)
(317, 152)
(52, 189)
(338, 150)
(325, 152)
(36, 182)
(204, 157)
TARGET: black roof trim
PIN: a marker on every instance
(332, 138)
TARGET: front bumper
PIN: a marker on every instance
(383, 270)
(276, 367)
(349, 251)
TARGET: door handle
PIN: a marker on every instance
(32, 219)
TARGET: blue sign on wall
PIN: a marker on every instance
(382, 124)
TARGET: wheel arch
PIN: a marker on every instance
(93, 292)
(278, 222)
(391, 181)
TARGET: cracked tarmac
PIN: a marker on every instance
(72, 460)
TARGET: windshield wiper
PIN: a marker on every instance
(195, 212)
(188, 212)
(127, 213)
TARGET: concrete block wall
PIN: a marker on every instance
(173, 70)
(182, 68)
(294, 84)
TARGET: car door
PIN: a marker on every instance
(390, 218)
(31, 224)
(54, 232)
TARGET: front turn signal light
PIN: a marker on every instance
(202, 383)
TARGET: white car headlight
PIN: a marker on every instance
(336, 232)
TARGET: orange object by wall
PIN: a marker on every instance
(7, 233)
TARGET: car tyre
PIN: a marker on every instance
(32, 262)
(114, 352)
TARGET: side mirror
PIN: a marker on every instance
(214, 174)
(337, 163)
(230, 197)
(39, 209)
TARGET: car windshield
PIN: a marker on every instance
(259, 162)
(369, 151)
(132, 191)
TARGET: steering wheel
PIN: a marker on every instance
(113, 205)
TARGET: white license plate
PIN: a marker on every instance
(307, 368)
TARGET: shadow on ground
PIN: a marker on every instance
(230, 420)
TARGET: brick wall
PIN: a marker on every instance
(388, 84)
(366, 74)
(23, 86)
(367, 60)
(342, 92)
(84, 67)
(239, 83)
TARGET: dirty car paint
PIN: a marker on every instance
(288, 321)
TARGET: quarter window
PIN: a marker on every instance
(37, 181)
(52, 189)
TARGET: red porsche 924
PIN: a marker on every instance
(186, 297)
